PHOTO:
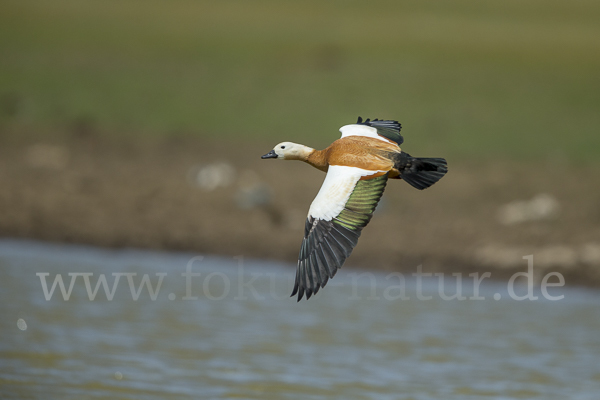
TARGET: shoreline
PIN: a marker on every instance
(218, 198)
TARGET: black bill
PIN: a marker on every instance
(270, 154)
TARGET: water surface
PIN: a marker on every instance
(235, 333)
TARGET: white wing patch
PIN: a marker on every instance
(337, 188)
(362, 130)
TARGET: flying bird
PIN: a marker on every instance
(358, 166)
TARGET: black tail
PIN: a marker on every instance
(420, 172)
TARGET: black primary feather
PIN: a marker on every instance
(387, 128)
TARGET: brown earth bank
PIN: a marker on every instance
(219, 197)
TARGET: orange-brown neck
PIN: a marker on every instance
(318, 159)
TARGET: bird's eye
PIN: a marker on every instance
(283, 147)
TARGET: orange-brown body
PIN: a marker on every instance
(357, 151)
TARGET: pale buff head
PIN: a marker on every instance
(289, 151)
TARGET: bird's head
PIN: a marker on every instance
(288, 151)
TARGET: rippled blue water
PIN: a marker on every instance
(235, 333)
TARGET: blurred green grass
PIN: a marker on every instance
(468, 78)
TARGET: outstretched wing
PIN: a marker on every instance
(387, 130)
(342, 208)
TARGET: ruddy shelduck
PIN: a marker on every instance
(358, 166)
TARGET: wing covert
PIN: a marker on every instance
(328, 243)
